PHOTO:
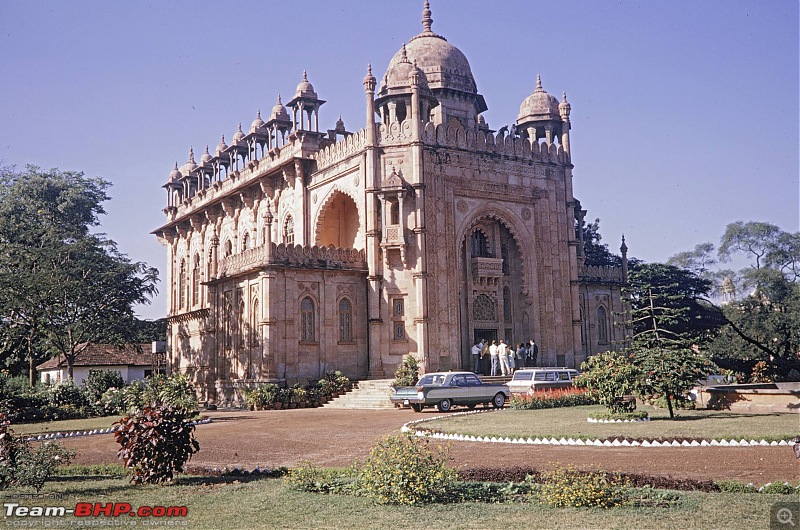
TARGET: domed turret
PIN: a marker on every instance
(222, 146)
(238, 136)
(539, 106)
(304, 89)
(279, 112)
(257, 123)
(206, 158)
(541, 116)
(174, 176)
(190, 165)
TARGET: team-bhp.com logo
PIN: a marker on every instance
(93, 509)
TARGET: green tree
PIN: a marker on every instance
(611, 376)
(62, 287)
(666, 323)
(597, 253)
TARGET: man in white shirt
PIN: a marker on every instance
(493, 354)
(502, 354)
(476, 350)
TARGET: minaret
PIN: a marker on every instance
(564, 109)
(369, 89)
(623, 248)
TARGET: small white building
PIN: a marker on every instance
(131, 363)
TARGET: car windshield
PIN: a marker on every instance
(523, 376)
(431, 379)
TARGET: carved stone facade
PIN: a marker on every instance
(292, 251)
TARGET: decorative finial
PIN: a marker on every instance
(564, 98)
(258, 114)
(369, 68)
(209, 154)
(427, 21)
(623, 248)
(223, 139)
(305, 77)
(240, 127)
(279, 100)
(405, 55)
(191, 154)
(538, 82)
(176, 165)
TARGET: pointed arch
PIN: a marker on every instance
(338, 222)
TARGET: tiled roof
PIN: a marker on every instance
(104, 355)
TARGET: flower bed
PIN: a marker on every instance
(553, 398)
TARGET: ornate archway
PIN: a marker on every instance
(338, 222)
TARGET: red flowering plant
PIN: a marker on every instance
(553, 398)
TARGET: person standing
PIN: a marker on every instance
(476, 350)
(533, 353)
(502, 354)
(493, 355)
(512, 362)
(522, 355)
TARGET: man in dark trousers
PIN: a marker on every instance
(532, 354)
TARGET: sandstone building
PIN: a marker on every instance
(292, 251)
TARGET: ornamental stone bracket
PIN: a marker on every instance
(487, 270)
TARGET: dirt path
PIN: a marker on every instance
(337, 438)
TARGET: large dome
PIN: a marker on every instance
(444, 64)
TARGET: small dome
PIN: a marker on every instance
(481, 119)
(257, 123)
(239, 135)
(539, 106)
(206, 158)
(398, 74)
(222, 146)
(175, 175)
(279, 111)
(190, 165)
(304, 89)
(339, 124)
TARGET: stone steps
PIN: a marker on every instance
(368, 394)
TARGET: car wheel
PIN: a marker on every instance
(499, 401)
(445, 405)
(417, 407)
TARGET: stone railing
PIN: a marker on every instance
(601, 274)
(293, 255)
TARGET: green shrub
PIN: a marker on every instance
(113, 401)
(101, 380)
(405, 470)
(570, 487)
(567, 397)
(175, 390)
(308, 478)
(66, 394)
(732, 486)
(407, 373)
(22, 465)
(133, 397)
(156, 443)
(337, 382)
(778, 488)
(611, 376)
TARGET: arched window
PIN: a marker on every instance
(245, 241)
(307, 320)
(182, 285)
(196, 280)
(288, 230)
(394, 213)
(602, 326)
(479, 246)
(227, 317)
(345, 320)
(228, 249)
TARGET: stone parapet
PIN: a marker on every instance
(293, 256)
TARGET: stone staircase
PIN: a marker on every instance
(367, 394)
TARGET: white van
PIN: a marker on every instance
(528, 380)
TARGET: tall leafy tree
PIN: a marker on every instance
(62, 286)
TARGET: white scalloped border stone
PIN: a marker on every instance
(592, 420)
(74, 434)
(409, 427)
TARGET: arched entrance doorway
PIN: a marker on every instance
(492, 300)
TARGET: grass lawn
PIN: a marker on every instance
(269, 503)
(571, 422)
(65, 425)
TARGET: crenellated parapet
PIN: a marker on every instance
(341, 150)
(601, 274)
(293, 256)
(490, 143)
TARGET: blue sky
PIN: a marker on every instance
(684, 113)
